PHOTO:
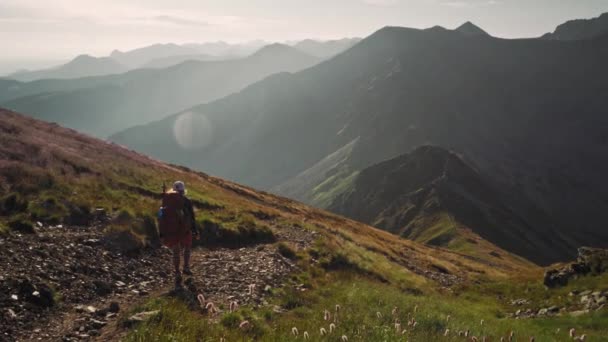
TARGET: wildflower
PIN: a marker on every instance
(234, 306)
(201, 300)
(398, 327)
(337, 308)
(378, 314)
(484, 339)
(466, 333)
(211, 307)
(414, 325)
(502, 339)
(326, 315)
(583, 337)
(244, 325)
(294, 331)
(404, 332)
(344, 338)
(416, 308)
(332, 327)
(394, 312)
(250, 289)
(511, 335)
(473, 339)
(323, 332)
(306, 335)
(447, 319)
(481, 323)
(572, 332)
(447, 332)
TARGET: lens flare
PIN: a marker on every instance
(192, 130)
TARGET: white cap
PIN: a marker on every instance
(179, 186)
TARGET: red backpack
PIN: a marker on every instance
(172, 221)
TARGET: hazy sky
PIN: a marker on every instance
(58, 29)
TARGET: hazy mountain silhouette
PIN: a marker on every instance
(535, 124)
(81, 66)
(471, 29)
(139, 57)
(325, 49)
(165, 62)
(580, 29)
(104, 105)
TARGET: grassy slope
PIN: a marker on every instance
(363, 269)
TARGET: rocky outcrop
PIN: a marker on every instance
(590, 261)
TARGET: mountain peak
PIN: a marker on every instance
(471, 29)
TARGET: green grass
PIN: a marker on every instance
(360, 300)
(324, 193)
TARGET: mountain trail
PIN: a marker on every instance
(95, 291)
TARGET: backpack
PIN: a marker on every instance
(172, 221)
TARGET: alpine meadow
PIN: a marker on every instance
(403, 170)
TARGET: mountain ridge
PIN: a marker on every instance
(422, 87)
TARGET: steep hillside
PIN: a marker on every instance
(91, 268)
(81, 66)
(529, 113)
(104, 105)
(96, 195)
(580, 29)
(432, 196)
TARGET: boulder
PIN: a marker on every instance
(140, 317)
(589, 261)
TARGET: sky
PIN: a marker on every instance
(47, 31)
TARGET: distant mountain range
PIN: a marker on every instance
(106, 104)
(528, 113)
(82, 65)
(325, 49)
(167, 55)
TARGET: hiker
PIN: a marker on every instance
(178, 227)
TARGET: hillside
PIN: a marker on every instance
(80, 66)
(91, 266)
(63, 180)
(528, 113)
(580, 29)
(104, 105)
(433, 196)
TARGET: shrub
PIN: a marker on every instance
(48, 211)
(12, 204)
(22, 225)
(286, 251)
(149, 230)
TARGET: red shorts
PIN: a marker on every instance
(183, 240)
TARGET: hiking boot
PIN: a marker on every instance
(187, 271)
(178, 281)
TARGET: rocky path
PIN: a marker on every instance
(62, 284)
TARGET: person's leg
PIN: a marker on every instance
(187, 251)
(176, 262)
